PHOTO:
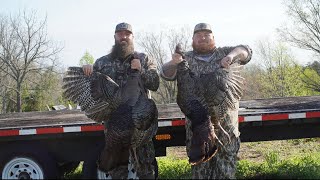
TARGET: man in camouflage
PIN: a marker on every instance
(118, 65)
(204, 58)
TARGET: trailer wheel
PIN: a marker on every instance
(22, 163)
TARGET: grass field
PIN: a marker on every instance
(294, 159)
(286, 159)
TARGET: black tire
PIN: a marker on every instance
(23, 161)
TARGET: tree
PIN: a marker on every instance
(5, 92)
(25, 48)
(87, 58)
(304, 31)
(43, 90)
(311, 76)
(158, 46)
(280, 74)
(252, 88)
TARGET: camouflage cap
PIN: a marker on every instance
(123, 26)
(201, 27)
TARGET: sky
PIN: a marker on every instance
(88, 25)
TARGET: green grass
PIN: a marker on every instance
(299, 167)
(290, 159)
(172, 168)
(76, 174)
(302, 167)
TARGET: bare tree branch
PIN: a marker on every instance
(160, 47)
(24, 48)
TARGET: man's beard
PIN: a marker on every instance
(122, 50)
(204, 48)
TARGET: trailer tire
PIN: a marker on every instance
(17, 162)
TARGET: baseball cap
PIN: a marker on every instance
(201, 27)
(123, 26)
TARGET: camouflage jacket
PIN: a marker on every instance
(119, 70)
(199, 67)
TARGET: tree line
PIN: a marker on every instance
(31, 75)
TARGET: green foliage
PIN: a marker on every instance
(306, 166)
(272, 158)
(87, 58)
(44, 91)
(170, 168)
(277, 74)
(76, 174)
(299, 167)
(252, 73)
(246, 169)
(311, 78)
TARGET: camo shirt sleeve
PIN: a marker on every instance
(228, 49)
(149, 74)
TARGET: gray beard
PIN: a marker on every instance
(121, 51)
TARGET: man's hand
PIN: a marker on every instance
(226, 61)
(87, 69)
(135, 64)
(176, 58)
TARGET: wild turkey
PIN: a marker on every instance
(131, 120)
(205, 99)
(129, 128)
(193, 105)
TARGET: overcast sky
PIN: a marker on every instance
(88, 25)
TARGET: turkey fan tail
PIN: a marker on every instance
(235, 82)
(229, 88)
(236, 90)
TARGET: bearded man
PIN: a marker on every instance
(118, 65)
(206, 58)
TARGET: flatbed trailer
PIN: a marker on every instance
(47, 144)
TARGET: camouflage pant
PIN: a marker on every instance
(144, 169)
(223, 164)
